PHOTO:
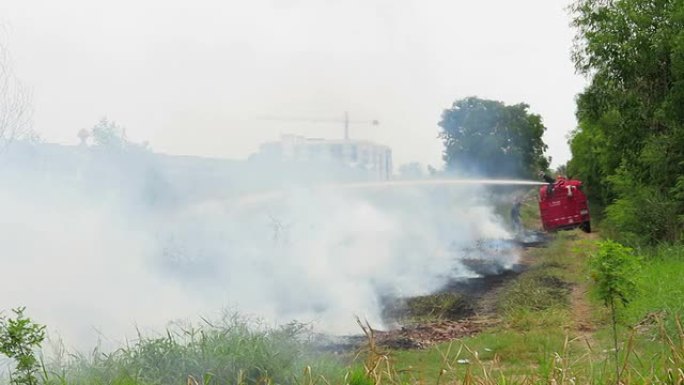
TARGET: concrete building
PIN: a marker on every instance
(369, 160)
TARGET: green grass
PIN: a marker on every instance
(536, 320)
(538, 289)
(538, 342)
(231, 351)
(540, 296)
(660, 284)
(499, 354)
(649, 325)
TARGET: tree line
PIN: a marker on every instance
(629, 143)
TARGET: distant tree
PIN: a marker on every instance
(486, 137)
(108, 134)
(562, 170)
(15, 102)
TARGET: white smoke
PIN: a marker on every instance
(325, 256)
(91, 265)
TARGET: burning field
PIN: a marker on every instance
(419, 263)
(327, 257)
(320, 256)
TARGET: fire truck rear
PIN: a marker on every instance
(563, 205)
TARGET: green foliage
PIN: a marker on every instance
(488, 138)
(232, 350)
(614, 269)
(631, 124)
(660, 285)
(19, 337)
(358, 376)
(108, 134)
(640, 215)
(590, 159)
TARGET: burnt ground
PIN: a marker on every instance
(474, 310)
(462, 308)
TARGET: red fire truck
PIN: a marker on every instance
(563, 205)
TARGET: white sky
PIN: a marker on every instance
(193, 77)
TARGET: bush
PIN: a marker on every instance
(614, 269)
(642, 215)
(18, 338)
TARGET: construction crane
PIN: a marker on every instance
(345, 120)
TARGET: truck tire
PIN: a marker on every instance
(586, 227)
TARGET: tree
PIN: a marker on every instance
(15, 102)
(107, 134)
(488, 138)
(124, 168)
(631, 124)
(562, 170)
(614, 270)
(18, 338)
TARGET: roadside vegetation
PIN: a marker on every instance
(555, 329)
(231, 351)
(629, 144)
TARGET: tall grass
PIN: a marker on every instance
(660, 284)
(232, 351)
(541, 344)
(570, 360)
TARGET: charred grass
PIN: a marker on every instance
(429, 308)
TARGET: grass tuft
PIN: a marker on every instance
(233, 350)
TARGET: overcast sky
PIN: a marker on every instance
(194, 77)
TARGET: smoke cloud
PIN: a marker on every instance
(97, 244)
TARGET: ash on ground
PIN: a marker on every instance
(460, 309)
(463, 306)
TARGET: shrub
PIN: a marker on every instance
(614, 269)
(18, 338)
